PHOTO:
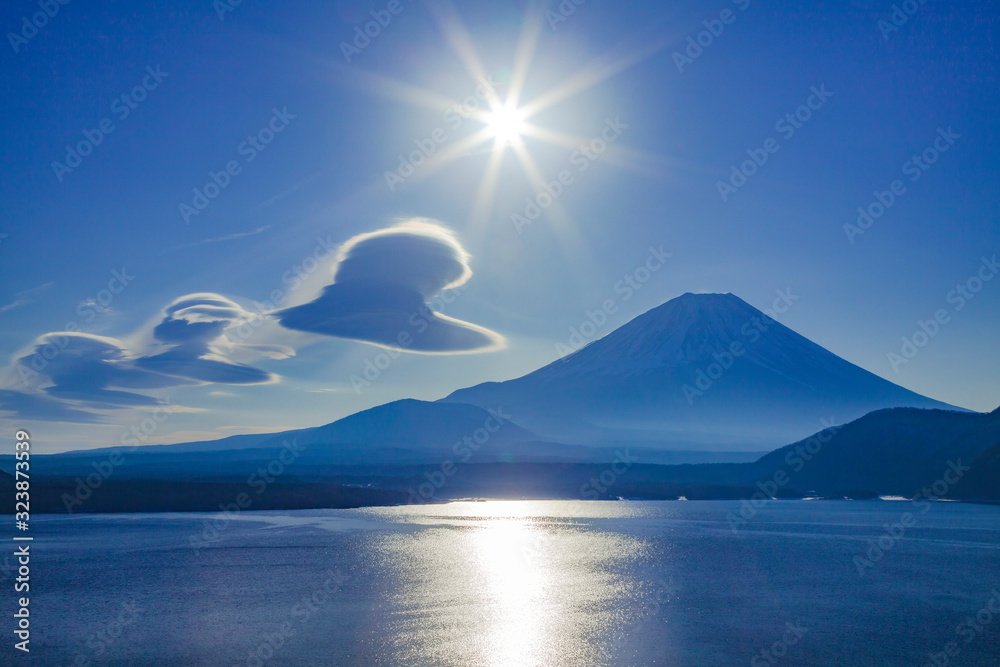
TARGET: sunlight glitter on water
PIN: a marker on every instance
(505, 583)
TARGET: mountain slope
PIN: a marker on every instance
(890, 452)
(229, 443)
(427, 429)
(983, 481)
(401, 432)
(700, 371)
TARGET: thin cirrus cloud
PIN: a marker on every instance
(25, 297)
(79, 370)
(220, 239)
(380, 292)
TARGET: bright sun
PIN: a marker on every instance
(508, 121)
(506, 125)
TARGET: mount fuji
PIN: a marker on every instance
(702, 372)
(701, 378)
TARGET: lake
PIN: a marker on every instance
(522, 583)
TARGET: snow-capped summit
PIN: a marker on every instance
(684, 330)
(706, 371)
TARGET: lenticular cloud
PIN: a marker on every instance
(190, 326)
(380, 291)
(73, 370)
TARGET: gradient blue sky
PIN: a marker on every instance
(323, 177)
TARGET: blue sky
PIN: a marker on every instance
(198, 86)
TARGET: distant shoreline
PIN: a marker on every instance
(215, 498)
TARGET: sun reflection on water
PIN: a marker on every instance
(515, 583)
(508, 583)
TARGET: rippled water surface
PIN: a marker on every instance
(519, 583)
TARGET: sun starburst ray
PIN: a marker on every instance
(592, 74)
(485, 194)
(460, 41)
(523, 56)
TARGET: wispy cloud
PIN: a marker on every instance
(288, 191)
(25, 297)
(218, 239)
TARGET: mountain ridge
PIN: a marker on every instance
(642, 374)
(694, 371)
